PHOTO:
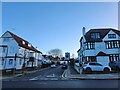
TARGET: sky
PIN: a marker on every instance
(50, 25)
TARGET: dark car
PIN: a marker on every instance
(64, 66)
(115, 65)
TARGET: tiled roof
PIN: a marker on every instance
(20, 42)
(103, 32)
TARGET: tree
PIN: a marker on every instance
(56, 52)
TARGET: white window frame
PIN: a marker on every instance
(5, 39)
(20, 61)
(10, 61)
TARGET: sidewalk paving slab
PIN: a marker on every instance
(111, 76)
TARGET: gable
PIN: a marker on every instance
(6, 35)
(115, 36)
(102, 54)
(103, 32)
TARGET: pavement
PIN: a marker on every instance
(18, 75)
(110, 76)
(96, 76)
(68, 76)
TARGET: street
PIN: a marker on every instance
(53, 78)
(40, 74)
(62, 84)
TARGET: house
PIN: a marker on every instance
(46, 59)
(17, 53)
(99, 45)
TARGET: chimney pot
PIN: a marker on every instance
(83, 31)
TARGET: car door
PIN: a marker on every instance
(99, 67)
(93, 66)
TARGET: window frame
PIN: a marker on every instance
(95, 35)
(20, 61)
(89, 45)
(112, 44)
(10, 61)
(110, 36)
(114, 57)
(5, 39)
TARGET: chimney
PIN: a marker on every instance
(83, 31)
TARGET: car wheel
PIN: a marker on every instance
(88, 70)
(106, 70)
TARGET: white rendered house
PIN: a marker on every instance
(16, 52)
(99, 45)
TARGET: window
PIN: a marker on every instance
(2, 61)
(23, 42)
(90, 45)
(6, 39)
(92, 63)
(112, 44)
(98, 64)
(26, 43)
(90, 59)
(29, 45)
(113, 57)
(111, 35)
(94, 35)
(3, 50)
(27, 63)
(20, 61)
(10, 61)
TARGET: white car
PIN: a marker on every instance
(94, 66)
(53, 66)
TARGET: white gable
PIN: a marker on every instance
(111, 32)
(7, 34)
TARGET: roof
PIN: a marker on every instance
(102, 54)
(103, 32)
(20, 42)
(78, 50)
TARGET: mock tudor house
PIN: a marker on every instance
(99, 45)
(17, 53)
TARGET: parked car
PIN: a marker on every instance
(94, 66)
(64, 66)
(53, 66)
(115, 65)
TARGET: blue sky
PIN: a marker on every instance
(52, 25)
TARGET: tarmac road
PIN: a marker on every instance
(62, 84)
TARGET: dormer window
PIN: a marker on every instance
(23, 42)
(111, 35)
(29, 45)
(94, 35)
